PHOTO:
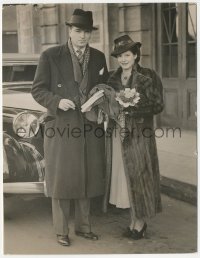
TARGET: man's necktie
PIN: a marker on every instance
(79, 54)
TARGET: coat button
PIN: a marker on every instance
(59, 85)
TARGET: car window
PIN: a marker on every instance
(16, 73)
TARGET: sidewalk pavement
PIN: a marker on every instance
(178, 164)
(28, 230)
(28, 224)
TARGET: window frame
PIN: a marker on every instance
(182, 42)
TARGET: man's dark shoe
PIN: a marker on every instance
(63, 240)
(90, 235)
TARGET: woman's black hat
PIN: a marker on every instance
(82, 19)
(123, 44)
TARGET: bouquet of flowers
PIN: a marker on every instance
(126, 98)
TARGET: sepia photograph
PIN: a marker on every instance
(99, 114)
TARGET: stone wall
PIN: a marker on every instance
(49, 24)
(136, 20)
(9, 29)
(28, 29)
(43, 26)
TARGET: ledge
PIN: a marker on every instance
(179, 190)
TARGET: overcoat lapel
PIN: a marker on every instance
(64, 64)
(63, 60)
(90, 69)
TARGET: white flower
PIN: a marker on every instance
(128, 97)
(136, 99)
(121, 102)
(127, 93)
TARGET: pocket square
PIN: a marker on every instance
(101, 71)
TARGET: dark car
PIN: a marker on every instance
(23, 123)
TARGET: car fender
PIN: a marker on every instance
(22, 161)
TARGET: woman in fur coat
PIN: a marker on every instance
(133, 178)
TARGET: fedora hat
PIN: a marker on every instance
(123, 44)
(81, 19)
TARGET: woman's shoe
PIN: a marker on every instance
(127, 233)
(136, 235)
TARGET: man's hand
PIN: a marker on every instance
(66, 104)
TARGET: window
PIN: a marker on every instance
(18, 73)
(169, 40)
(10, 42)
(177, 62)
(9, 29)
(191, 39)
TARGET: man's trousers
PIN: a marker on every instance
(61, 214)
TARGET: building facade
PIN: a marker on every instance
(168, 32)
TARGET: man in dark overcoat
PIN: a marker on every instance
(74, 147)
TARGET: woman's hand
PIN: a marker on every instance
(66, 104)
